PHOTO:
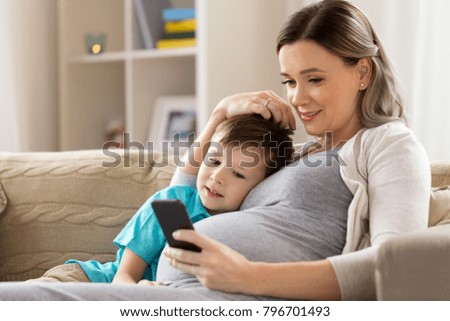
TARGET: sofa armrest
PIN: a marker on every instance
(415, 266)
(70, 205)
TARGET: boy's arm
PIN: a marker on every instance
(181, 178)
(131, 269)
(191, 161)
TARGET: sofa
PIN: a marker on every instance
(57, 206)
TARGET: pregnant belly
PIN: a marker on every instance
(268, 234)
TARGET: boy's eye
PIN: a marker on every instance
(238, 175)
(213, 161)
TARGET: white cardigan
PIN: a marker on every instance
(388, 172)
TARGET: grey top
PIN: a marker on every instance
(297, 214)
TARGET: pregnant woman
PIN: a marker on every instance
(311, 230)
(339, 81)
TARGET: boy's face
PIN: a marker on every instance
(227, 175)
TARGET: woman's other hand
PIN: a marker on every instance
(266, 103)
(217, 266)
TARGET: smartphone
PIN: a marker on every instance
(172, 215)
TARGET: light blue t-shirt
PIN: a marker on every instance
(144, 236)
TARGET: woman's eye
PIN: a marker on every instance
(238, 175)
(288, 82)
(315, 80)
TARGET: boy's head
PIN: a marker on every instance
(243, 151)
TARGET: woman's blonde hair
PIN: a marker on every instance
(346, 32)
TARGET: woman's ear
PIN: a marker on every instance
(365, 72)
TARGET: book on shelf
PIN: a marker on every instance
(149, 18)
(179, 28)
(178, 35)
(188, 25)
(175, 43)
(175, 14)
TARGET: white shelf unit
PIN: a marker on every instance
(235, 53)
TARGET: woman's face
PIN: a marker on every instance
(323, 90)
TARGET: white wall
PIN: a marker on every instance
(28, 61)
(244, 37)
(9, 130)
(241, 34)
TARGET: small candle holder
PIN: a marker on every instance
(95, 43)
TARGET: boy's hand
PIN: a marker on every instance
(150, 283)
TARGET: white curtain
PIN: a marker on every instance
(431, 86)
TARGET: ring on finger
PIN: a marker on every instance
(267, 102)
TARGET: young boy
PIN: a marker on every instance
(244, 150)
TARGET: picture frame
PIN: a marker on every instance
(173, 115)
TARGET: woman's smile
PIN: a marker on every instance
(308, 116)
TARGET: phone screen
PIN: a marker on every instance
(172, 215)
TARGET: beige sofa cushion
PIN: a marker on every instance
(440, 193)
(439, 206)
(440, 173)
(3, 200)
(67, 205)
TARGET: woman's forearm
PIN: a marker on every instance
(301, 280)
(219, 267)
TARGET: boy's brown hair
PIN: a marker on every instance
(255, 131)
